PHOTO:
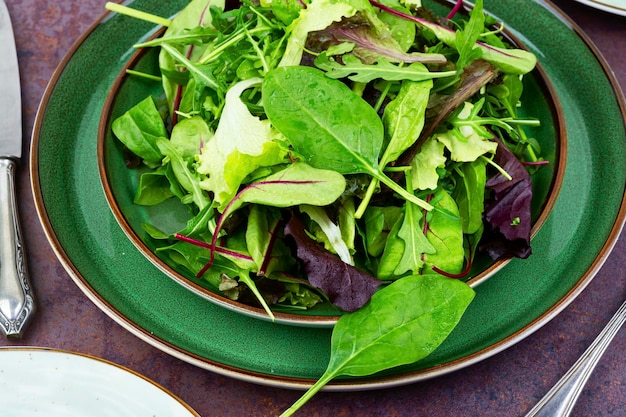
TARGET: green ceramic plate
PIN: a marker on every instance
(104, 263)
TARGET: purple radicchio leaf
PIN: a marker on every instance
(346, 286)
(507, 212)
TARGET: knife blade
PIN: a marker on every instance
(17, 304)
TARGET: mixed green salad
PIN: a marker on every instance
(346, 151)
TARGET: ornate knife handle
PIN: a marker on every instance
(16, 297)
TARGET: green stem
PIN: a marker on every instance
(137, 14)
(498, 167)
(325, 379)
(366, 199)
(175, 53)
(143, 75)
(403, 193)
(242, 33)
(250, 283)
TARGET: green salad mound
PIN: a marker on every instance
(352, 152)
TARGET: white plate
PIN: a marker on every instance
(611, 6)
(55, 383)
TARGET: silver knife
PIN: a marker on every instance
(16, 295)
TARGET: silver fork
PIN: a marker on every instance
(560, 400)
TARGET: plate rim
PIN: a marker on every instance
(123, 370)
(298, 383)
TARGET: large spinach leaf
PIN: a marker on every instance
(403, 323)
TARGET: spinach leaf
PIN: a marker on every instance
(154, 188)
(403, 323)
(328, 124)
(378, 224)
(139, 128)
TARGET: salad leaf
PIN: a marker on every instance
(403, 323)
(509, 61)
(318, 15)
(426, 163)
(378, 224)
(187, 178)
(470, 194)
(310, 110)
(331, 231)
(242, 143)
(372, 40)
(445, 233)
(154, 188)
(139, 128)
(196, 13)
(353, 69)
(466, 142)
(346, 286)
(509, 211)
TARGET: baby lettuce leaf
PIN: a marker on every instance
(242, 143)
(426, 163)
(330, 126)
(403, 323)
(346, 286)
(318, 15)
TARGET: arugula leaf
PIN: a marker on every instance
(403, 323)
(353, 69)
(196, 13)
(188, 178)
(466, 38)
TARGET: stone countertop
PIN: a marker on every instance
(507, 384)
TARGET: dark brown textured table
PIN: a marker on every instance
(507, 384)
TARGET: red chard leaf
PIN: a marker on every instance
(508, 211)
(346, 286)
